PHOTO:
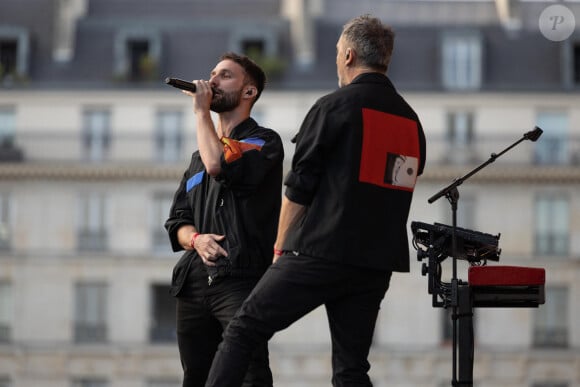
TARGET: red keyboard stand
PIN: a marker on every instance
(487, 286)
(492, 286)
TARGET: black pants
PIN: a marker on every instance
(203, 312)
(291, 288)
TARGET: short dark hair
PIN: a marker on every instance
(254, 73)
(372, 40)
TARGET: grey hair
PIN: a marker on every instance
(372, 40)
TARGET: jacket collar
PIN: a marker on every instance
(372, 77)
(243, 128)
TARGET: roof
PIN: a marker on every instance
(191, 35)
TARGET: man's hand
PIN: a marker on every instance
(208, 248)
(202, 97)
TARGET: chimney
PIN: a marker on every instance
(301, 14)
(68, 12)
(508, 15)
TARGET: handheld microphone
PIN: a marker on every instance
(180, 84)
(533, 135)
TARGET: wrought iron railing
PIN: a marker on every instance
(42, 145)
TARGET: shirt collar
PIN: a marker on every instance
(372, 77)
(241, 130)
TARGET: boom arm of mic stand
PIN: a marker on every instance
(532, 135)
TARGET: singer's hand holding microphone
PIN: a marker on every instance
(185, 85)
(200, 90)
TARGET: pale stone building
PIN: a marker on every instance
(92, 146)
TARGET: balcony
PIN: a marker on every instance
(9, 152)
(553, 159)
(63, 155)
(547, 150)
(90, 333)
(89, 240)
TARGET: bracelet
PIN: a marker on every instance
(192, 243)
(278, 252)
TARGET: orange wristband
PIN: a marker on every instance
(278, 252)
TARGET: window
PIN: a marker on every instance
(162, 315)
(253, 47)
(169, 135)
(465, 212)
(262, 46)
(462, 60)
(96, 133)
(8, 57)
(6, 312)
(8, 150)
(137, 54)
(554, 147)
(7, 126)
(551, 319)
(161, 206)
(5, 223)
(90, 313)
(460, 128)
(92, 231)
(258, 114)
(90, 382)
(446, 325)
(576, 63)
(255, 43)
(460, 136)
(552, 222)
(14, 47)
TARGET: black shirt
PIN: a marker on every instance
(358, 154)
(242, 202)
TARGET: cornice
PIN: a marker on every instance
(520, 174)
(147, 171)
(81, 172)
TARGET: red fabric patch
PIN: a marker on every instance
(390, 151)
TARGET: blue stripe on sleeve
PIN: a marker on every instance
(254, 141)
(194, 180)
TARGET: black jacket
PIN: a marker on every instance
(242, 203)
(358, 154)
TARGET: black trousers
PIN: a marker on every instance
(291, 288)
(203, 312)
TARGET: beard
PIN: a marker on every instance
(225, 102)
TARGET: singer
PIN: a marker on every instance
(224, 215)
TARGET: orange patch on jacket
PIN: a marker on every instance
(233, 149)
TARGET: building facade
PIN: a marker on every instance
(92, 146)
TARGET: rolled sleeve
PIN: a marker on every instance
(179, 215)
(308, 162)
(300, 189)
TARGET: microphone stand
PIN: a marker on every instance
(452, 194)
